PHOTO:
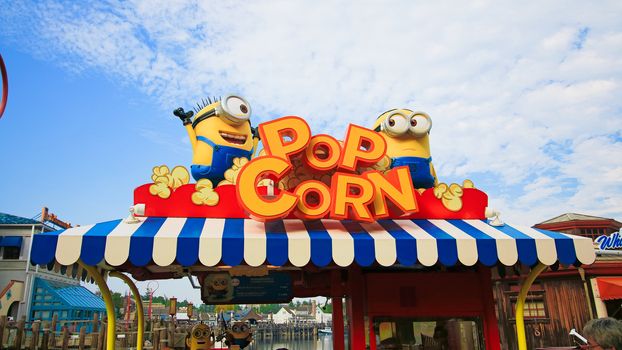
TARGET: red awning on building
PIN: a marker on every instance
(610, 287)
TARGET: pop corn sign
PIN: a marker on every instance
(350, 195)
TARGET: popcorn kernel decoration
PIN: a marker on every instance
(161, 174)
(160, 189)
(231, 175)
(205, 194)
(164, 180)
(468, 184)
(450, 196)
(180, 177)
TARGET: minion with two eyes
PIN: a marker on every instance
(218, 287)
(408, 144)
(200, 337)
(239, 334)
(220, 131)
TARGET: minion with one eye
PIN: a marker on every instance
(408, 144)
(220, 131)
(239, 334)
(200, 337)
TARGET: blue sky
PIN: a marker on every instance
(525, 97)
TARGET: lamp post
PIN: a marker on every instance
(151, 290)
(172, 307)
(189, 310)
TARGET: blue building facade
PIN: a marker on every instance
(69, 302)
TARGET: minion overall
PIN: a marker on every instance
(220, 132)
(408, 143)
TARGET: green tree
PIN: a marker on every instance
(118, 301)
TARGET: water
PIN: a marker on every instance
(323, 342)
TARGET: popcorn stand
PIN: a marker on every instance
(362, 219)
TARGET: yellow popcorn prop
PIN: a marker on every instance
(231, 175)
(451, 196)
(205, 194)
(164, 181)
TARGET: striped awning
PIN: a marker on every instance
(210, 242)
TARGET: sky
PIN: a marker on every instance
(525, 97)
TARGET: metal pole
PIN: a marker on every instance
(587, 292)
(139, 307)
(520, 305)
(28, 288)
(111, 334)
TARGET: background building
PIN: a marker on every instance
(38, 292)
(565, 297)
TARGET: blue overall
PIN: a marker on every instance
(420, 170)
(241, 342)
(222, 159)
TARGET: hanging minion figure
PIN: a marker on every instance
(239, 334)
(407, 135)
(200, 337)
(218, 287)
(220, 131)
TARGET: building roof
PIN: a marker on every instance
(8, 219)
(572, 217)
(77, 296)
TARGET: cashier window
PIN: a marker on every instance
(406, 333)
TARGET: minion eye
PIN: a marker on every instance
(237, 106)
(420, 124)
(197, 334)
(234, 109)
(395, 125)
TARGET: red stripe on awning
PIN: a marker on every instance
(609, 288)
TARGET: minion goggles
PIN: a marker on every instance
(398, 123)
(201, 333)
(240, 328)
(233, 109)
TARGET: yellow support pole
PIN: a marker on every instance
(520, 305)
(139, 307)
(111, 335)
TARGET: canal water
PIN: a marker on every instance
(323, 342)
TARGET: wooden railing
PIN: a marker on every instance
(159, 335)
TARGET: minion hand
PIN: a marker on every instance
(183, 115)
(255, 133)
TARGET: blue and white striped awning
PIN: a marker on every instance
(211, 242)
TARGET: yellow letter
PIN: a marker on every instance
(273, 134)
(246, 190)
(323, 152)
(351, 192)
(361, 145)
(395, 186)
(307, 209)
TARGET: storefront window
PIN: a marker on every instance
(11, 253)
(428, 333)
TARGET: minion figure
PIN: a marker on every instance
(200, 337)
(218, 287)
(408, 144)
(220, 131)
(239, 334)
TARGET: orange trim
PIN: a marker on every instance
(8, 286)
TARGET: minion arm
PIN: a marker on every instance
(434, 174)
(187, 121)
